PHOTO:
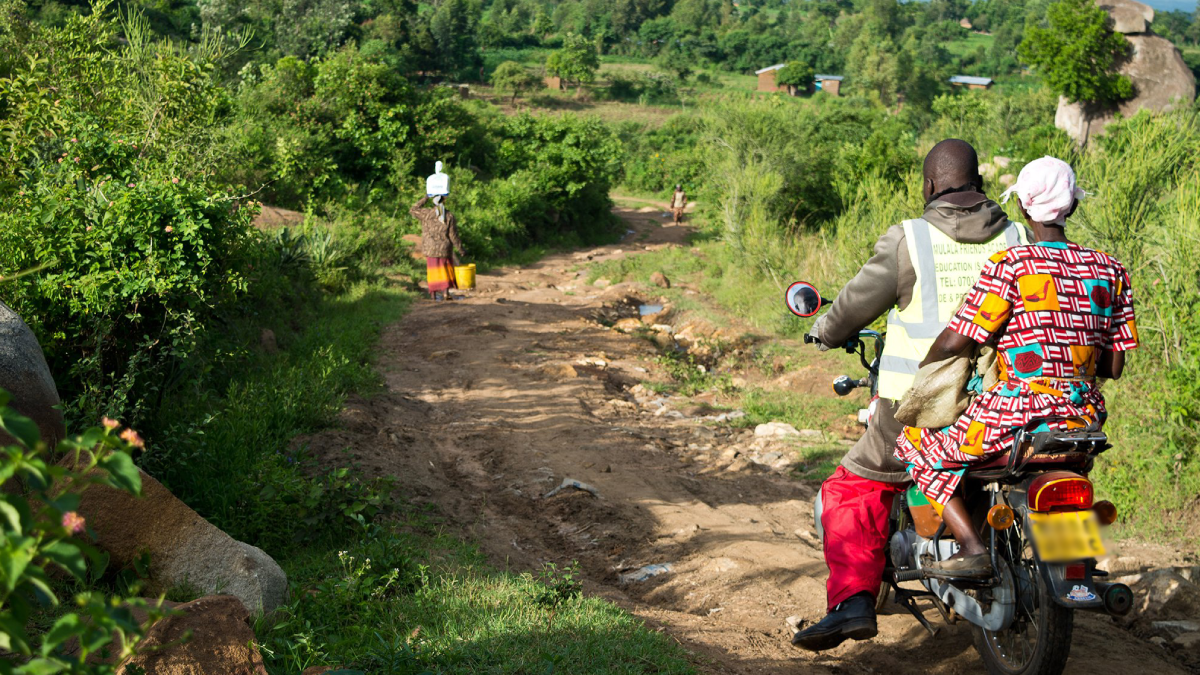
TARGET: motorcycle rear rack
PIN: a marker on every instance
(1075, 448)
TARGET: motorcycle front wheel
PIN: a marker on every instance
(1038, 641)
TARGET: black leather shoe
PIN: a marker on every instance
(852, 619)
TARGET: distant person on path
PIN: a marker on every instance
(439, 241)
(960, 229)
(678, 204)
(1061, 316)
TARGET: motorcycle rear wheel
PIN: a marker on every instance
(1039, 640)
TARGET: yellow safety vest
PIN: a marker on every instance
(946, 271)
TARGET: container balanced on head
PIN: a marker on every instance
(439, 235)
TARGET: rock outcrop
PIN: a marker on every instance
(184, 548)
(25, 375)
(1161, 80)
(221, 642)
(1128, 16)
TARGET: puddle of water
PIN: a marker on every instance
(645, 310)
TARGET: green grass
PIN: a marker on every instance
(230, 428)
(969, 44)
(803, 411)
(447, 611)
(818, 462)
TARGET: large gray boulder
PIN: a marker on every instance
(184, 548)
(1128, 16)
(1161, 80)
(25, 375)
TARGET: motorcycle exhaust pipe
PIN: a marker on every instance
(1118, 599)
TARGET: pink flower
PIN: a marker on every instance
(120, 142)
(76, 159)
(131, 437)
(169, 229)
(108, 422)
(74, 523)
(130, 185)
(89, 228)
(174, 180)
(60, 160)
(74, 140)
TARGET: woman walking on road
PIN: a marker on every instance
(439, 241)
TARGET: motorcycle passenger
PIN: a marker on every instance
(1061, 316)
(920, 271)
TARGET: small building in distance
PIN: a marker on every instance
(971, 82)
(553, 82)
(766, 78)
(966, 23)
(830, 84)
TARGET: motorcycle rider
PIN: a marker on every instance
(920, 271)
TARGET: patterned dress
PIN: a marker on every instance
(1052, 308)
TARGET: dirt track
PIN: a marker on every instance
(494, 400)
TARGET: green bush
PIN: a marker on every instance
(1077, 53)
(348, 126)
(44, 544)
(137, 247)
(550, 182)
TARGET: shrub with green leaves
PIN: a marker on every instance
(797, 74)
(576, 62)
(513, 77)
(346, 127)
(1077, 54)
(107, 166)
(44, 545)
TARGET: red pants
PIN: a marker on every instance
(854, 514)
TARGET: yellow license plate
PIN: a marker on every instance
(1061, 537)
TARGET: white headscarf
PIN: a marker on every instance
(1046, 188)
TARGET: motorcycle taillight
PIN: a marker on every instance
(1060, 491)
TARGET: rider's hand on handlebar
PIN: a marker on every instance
(813, 337)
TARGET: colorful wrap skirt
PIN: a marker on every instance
(938, 458)
(439, 272)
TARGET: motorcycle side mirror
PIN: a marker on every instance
(803, 300)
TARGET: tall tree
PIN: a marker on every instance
(453, 30)
(576, 62)
(1076, 53)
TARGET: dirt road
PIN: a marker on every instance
(494, 400)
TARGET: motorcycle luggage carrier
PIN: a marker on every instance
(1042, 451)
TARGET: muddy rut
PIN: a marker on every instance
(494, 400)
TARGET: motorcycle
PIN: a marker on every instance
(1034, 507)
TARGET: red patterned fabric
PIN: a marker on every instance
(1053, 309)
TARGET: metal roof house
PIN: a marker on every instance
(972, 82)
(766, 78)
(830, 84)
